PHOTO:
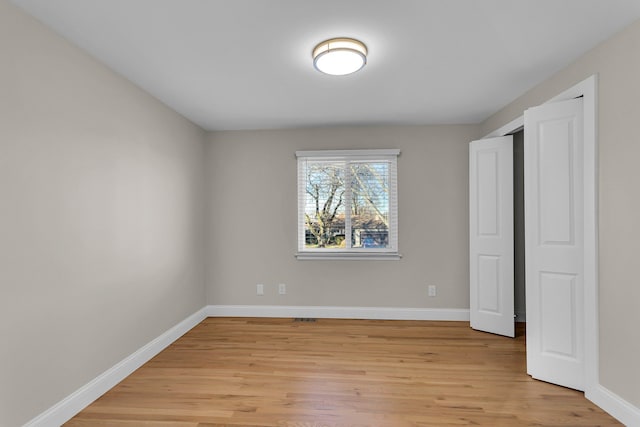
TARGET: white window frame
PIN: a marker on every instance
(387, 155)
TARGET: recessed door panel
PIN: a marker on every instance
(488, 187)
(555, 174)
(558, 314)
(489, 284)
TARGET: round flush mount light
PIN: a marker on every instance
(340, 56)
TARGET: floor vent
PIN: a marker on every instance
(304, 319)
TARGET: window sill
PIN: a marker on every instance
(354, 256)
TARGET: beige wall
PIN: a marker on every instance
(617, 62)
(100, 218)
(253, 211)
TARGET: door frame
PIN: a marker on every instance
(588, 90)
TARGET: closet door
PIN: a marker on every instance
(491, 235)
(554, 242)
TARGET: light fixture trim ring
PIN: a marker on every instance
(339, 44)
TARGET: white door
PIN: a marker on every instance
(553, 152)
(491, 235)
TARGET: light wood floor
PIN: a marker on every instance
(338, 373)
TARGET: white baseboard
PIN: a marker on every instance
(380, 313)
(68, 407)
(615, 406)
(81, 398)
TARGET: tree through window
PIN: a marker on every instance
(347, 201)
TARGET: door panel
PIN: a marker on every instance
(558, 303)
(555, 172)
(554, 243)
(488, 187)
(491, 235)
(489, 283)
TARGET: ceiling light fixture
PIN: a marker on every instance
(340, 56)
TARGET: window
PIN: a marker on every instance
(347, 204)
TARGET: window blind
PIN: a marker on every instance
(347, 202)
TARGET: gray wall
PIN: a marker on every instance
(617, 63)
(100, 217)
(519, 290)
(253, 211)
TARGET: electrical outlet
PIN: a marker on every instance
(282, 289)
(431, 290)
(260, 289)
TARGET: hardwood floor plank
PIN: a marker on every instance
(338, 373)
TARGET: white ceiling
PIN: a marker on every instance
(246, 64)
